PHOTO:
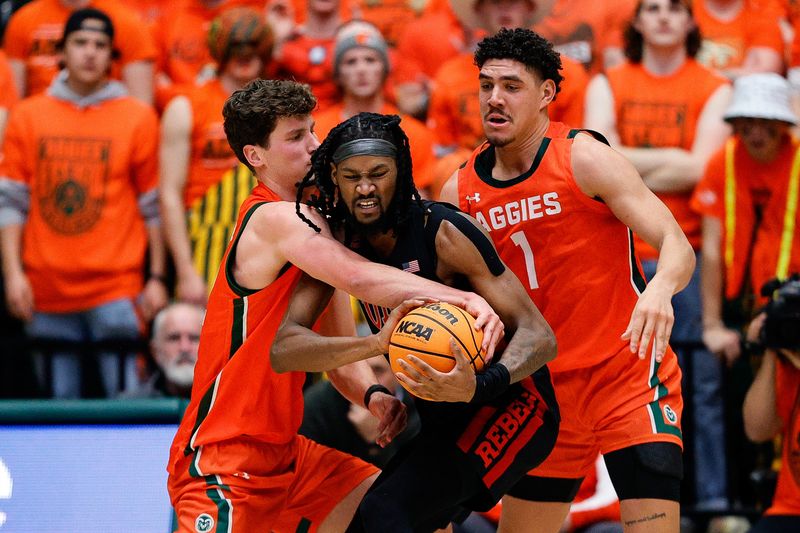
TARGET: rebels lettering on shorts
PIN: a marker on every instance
(496, 435)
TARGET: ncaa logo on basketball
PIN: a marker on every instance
(672, 418)
(412, 328)
(203, 523)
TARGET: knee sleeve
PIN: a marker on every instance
(546, 489)
(649, 470)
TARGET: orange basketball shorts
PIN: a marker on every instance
(244, 485)
(618, 403)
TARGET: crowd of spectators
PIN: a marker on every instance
(118, 190)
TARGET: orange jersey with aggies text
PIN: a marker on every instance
(236, 392)
(570, 252)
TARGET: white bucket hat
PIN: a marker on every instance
(765, 95)
(466, 14)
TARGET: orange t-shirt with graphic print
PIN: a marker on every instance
(420, 139)
(583, 29)
(786, 500)
(84, 240)
(454, 112)
(211, 155)
(764, 184)
(662, 112)
(725, 44)
(34, 30)
(309, 60)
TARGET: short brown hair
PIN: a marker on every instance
(634, 41)
(251, 113)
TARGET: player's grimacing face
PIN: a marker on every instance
(510, 100)
(367, 184)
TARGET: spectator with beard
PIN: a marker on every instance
(176, 336)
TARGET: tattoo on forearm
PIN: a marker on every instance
(654, 516)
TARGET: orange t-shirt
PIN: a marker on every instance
(725, 44)
(425, 45)
(391, 17)
(211, 155)
(786, 500)
(84, 240)
(310, 61)
(236, 392)
(764, 183)
(661, 112)
(559, 243)
(34, 30)
(420, 139)
(454, 112)
(583, 29)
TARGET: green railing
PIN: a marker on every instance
(124, 411)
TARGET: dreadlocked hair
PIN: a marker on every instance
(325, 198)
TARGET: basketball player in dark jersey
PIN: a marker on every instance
(482, 431)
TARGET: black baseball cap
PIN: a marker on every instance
(88, 19)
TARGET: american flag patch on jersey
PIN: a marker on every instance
(412, 266)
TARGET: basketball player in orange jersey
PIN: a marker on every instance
(560, 207)
(237, 462)
(481, 433)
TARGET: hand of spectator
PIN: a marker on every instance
(487, 320)
(385, 334)
(390, 414)
(153, 298)
(723, 342)
(19, 296)
(652, 318)
(192, 289)
(424, 381)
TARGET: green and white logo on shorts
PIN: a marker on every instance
(670, 414)
(204, 523)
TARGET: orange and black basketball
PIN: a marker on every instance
(426, 331)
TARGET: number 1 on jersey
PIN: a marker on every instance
(520, 240)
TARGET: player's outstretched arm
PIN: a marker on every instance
(531, 342)
(338, 351)
(604, 174)
(321, 256)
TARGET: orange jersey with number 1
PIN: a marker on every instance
(573, 255)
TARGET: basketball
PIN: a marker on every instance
(426, 331)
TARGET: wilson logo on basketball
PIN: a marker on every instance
(450, 317)
(412, 328)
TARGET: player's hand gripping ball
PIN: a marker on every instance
(425, 332)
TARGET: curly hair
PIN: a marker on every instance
(251, 113)
(325, 198)
(634, 40)
(526, 47)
